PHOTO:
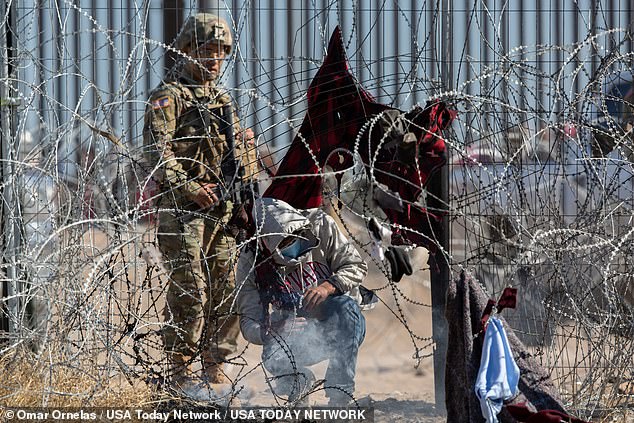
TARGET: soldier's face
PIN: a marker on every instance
(210, 56)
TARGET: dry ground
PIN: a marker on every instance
(386, 374)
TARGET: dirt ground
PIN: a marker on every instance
(387, 376)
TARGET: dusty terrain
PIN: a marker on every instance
(387, 376)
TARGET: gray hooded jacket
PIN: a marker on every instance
(330, 257)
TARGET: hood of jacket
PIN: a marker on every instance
(275, 220)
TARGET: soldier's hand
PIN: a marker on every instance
(205, 197)
(317, 294)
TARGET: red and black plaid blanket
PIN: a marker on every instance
(338, 108)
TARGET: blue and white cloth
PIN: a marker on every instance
(498, 375)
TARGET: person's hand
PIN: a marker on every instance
(317, 294)
(205, 196)
(247, 135)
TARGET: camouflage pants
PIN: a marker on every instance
(199, 254)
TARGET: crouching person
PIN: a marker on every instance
(297, 292)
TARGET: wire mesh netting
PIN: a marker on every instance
(541, 192)
(538, 164)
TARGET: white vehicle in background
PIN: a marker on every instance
(534, 210)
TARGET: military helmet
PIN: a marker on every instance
(203, 28)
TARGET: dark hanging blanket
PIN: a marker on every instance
(466, 302)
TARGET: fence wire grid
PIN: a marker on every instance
(539, 169)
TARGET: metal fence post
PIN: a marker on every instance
(4, 116)
(439, 282)
(211, 6)
(438, 199)
(172, 23)
(10, 241)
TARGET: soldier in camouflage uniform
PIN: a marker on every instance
(184, 137)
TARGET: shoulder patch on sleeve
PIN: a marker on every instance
(161, 102)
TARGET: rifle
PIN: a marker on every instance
(232, 173)
(233, 176)
(232, 187)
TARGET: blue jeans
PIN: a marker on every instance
(335, 335)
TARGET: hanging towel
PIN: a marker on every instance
(466, 301)
(499, 375)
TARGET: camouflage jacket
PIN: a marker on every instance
(184, 138)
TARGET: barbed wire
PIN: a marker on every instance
(539, 162)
